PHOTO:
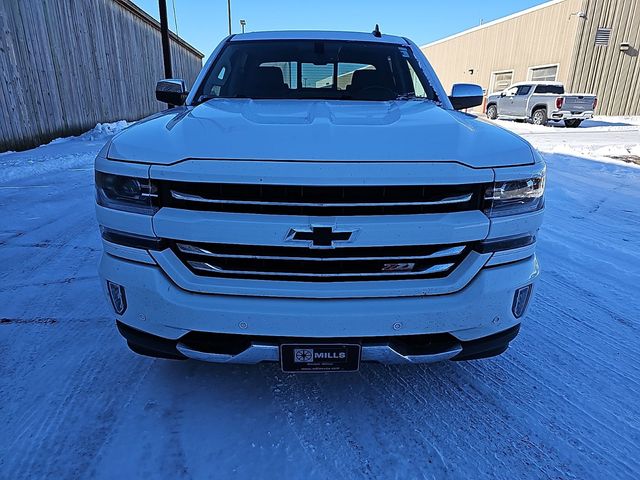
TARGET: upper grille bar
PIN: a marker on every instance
(319, 200)
(196, 198)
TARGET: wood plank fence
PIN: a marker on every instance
(66, 65)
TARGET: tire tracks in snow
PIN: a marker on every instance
(340, 414)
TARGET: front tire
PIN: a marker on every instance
(539, 117)
(492, 112)
(572, 123)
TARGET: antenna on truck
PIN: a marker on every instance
(376, 32)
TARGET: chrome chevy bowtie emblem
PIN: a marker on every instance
(320, 237)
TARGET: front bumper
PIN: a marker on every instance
(156, 306)
(388, 350)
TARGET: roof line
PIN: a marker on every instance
(145, 17)
(494, 22)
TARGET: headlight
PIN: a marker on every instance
(129, 194)
(515, 196)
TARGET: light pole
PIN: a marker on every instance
(229, 14)
(243, 23)
(164, 35)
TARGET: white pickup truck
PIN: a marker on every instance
(540, 102)
(318, 200)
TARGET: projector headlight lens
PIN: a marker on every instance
(129, 194)
(514, 197)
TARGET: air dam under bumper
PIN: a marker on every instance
(245, 349)
(158, 307)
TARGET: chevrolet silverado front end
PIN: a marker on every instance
(318, 201)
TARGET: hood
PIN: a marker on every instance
(315, 130)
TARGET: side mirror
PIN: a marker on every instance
(502, 94)
(466, 95)
(172, 91)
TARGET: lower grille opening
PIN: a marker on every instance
(320, 265)
(234, 344)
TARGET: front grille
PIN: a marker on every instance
(320, 200)
(320, 265)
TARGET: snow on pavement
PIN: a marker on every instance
(608, 139)
(562, 402)
(70, 152)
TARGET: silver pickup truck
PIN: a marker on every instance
(540, 102)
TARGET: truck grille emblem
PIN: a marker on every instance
(320, 237)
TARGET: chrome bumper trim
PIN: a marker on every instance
(257, 353)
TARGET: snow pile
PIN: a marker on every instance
(613, 150)
(59, 154)
(103, 131)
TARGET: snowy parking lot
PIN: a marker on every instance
(562, 402)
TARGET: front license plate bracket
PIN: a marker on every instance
(320, 357)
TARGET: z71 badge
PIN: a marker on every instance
(398, 267)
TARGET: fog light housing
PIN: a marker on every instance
(117, 296)
(521, 300)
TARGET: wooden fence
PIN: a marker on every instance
(66, 65)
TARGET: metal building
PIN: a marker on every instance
(589, 45)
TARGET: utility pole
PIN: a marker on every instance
(229, 14)
(164, 33)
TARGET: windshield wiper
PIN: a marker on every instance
(204, 98)
(413, 96)
(407, 96)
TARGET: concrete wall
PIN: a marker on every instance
(66, 65)
(612, 74)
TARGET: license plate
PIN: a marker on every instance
(319, 357)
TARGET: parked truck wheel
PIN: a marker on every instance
(539, 117)
(492, 112)
(572, 123)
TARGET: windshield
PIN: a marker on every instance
(312, 69)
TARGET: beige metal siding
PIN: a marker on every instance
(544, 36)
(612, 74)
(66, 65)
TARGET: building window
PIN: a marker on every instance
(500, 80)
(547, 73)
(603, 35)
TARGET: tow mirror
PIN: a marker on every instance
(172, 91)
(466, 95)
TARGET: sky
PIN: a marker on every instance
(203, 23)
